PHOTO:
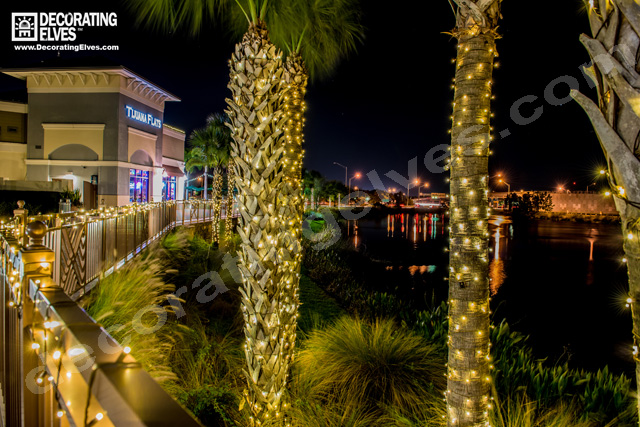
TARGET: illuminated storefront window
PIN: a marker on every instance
(169, 188)
(138, 186)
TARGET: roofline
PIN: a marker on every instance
(21, 73)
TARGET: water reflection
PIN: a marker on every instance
(413, 269)
(416, 228)
(502, 227)
(593, 236)
(569, 268)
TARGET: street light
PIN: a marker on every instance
(356, 176)
(345, 171)
(502, 181)
(345, 175)
(425, 185)
(593, 183)
(416, 182)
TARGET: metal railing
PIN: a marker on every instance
(90, 245)
(57, 366)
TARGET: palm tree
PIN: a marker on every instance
(210, 150)
(468, 385)
(268, 195)
(326, 31)
(229, 209)
(615, 27)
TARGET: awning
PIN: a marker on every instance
(172, 170)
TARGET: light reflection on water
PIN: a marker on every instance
(502, 228)
(543, 274)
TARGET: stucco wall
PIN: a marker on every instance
(79, 108)
(12, 156)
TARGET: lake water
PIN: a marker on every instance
(562, 283)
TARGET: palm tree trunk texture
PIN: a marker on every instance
(217, 203)
(228, 221)
(615, 54)
(257, 125)
(468, 392)
(290, 199)
(206, 182)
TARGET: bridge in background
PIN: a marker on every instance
(58, 367)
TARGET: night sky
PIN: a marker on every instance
(389, 102)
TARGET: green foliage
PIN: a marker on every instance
(210, 145)
(528, 204)
(132, 305)
(317, 307)
(73, 196)
(601, 395)
(522, 412)
(208, 366)
(376, 367)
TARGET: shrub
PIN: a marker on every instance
(366, 367)
(132, 305)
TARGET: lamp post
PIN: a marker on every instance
(425, 185)
(502, 181)
(345, 175)
(356, 176)
(593, 183)
(416, 182)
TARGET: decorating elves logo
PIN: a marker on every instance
(56, 26)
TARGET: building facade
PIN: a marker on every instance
(100, 127)
(13, 140)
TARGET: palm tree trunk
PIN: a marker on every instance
(206, 182)
(614, 49)
(290, 200)
(228, 222)
(469, 386)
(217, 202)
(257, 125)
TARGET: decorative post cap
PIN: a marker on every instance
(20, 204)
(36, 231)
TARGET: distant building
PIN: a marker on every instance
(578, 202)
(100, 127)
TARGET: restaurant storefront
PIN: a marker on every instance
(102, 128)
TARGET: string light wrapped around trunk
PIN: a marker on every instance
(228, 221)
(468, 392)
(258, 86)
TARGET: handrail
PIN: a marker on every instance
(56, 362)
(94, 378)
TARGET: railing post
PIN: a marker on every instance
(22, 215)
(35, 261)
(135, 231)
(115, 251)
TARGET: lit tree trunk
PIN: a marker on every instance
(217, 202)
(290, 200)
(615, 52)
(469, 386)
(228, 222)
(206, 181)
(257, 126)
